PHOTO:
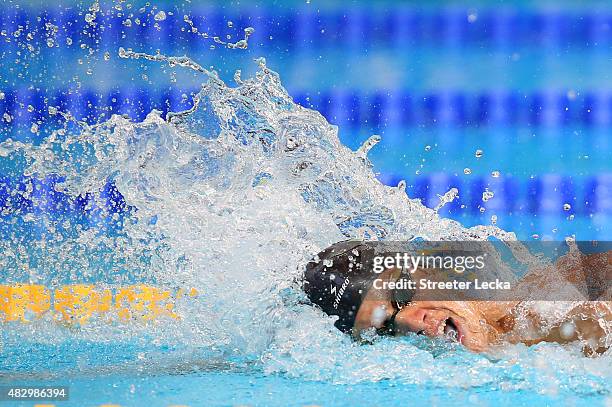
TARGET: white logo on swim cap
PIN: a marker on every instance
(340, 292)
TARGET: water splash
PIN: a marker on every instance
(183, 61)
(364, 149)
(240, 44)
(448, 197)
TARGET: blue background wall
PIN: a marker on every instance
(527, 83)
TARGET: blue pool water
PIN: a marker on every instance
(232, 198)
(101, 378)
(252, 389)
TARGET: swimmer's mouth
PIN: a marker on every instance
(451, 330)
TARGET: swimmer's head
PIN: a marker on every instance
(343, 281)
(341, 276)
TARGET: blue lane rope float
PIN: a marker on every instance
(546, 194)
(403, 108)
(346, 108)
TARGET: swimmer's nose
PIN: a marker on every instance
(418, 320)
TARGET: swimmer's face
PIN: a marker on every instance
(460, 321)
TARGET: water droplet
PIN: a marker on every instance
(34, 128)
(495, 174)
(242, 44)
(535, 236)
(249, 31)
(427, 147)
(160, 16)
(567, 207)
(230, 24)
(50, 42)
(493, 219)
(52, 110)
(478, 153)
(486, 195)
(69, 41)
(107, 56)
(90, 18)
(30, 108)
(482, 209)
(467, 171)
(7, 117)
(567, 330)
(2, 95)
(127, 23)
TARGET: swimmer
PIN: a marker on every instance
(340, 283)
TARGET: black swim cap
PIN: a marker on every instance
(339, 278)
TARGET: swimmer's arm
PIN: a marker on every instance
(589, 321)
(590, 274)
